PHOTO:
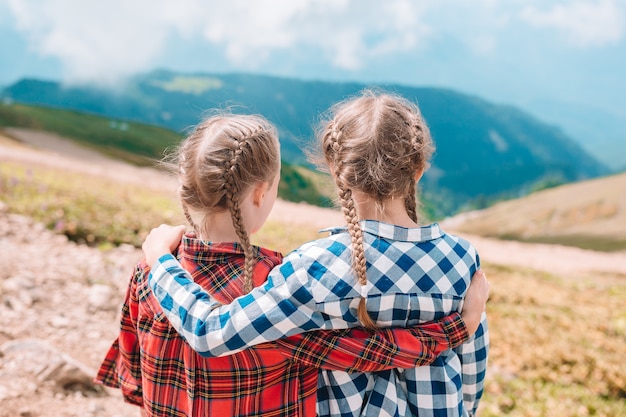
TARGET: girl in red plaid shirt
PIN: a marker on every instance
(229, 173)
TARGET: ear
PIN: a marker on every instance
(418, 175)
(258, 193)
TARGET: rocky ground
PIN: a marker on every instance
(59, 308)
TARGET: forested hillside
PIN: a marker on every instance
(485, 151)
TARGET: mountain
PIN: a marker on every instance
(484, 152)
(589, 214)
(136, 143)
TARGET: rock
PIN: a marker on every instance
(102, 297)
(47, 368)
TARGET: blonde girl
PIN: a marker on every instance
(384, 269)
(229, 172)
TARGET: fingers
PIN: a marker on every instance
(161, 240)
(481, 285)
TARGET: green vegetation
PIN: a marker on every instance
(95, 211)
(299, 184)
(189, 84)
(133, 142)
(85, 208)
(483, 149)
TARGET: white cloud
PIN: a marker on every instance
(584, 23)
(108, 40)
(96, 40)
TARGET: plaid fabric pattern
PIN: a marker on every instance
(414, 275)
(155, 368)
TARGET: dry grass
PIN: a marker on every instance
(557, 344)
(590, 214)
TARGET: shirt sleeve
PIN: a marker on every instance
(358, 350)
(121, 367)
(282, 307)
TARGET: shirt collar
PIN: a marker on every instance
(195, 250)
(393, 232)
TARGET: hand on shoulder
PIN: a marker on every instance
(160, 241)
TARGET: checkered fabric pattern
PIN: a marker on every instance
(156, 369)
(414, 275)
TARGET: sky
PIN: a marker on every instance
(563, 61)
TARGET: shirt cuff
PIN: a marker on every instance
(455, 329)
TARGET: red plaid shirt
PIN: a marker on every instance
(156, 369)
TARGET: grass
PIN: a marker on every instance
(87, 209)
(588, 241)
(589, 215)
(557, 342)
(557, 345)
(132, 142)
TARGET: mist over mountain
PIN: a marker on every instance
(485, 151)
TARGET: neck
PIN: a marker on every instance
(218, 227)
(391, 210)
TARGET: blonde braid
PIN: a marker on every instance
(410, 201)
(233, 195)
(190, 221)
(410, 198)
(359, 263)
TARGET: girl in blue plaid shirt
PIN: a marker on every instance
(383, 270)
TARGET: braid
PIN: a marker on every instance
(410, 201)
(410, 198)
(376, 145)
(190, 220)
(233, 195)
(417, 144)
(356, 234)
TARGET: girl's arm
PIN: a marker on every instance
(473, 355)
(279, 308)
(268, 313)
(121, 367)
(357, 350)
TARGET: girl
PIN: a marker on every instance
(229, 172)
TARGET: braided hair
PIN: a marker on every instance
(217, 163)
(376, 144)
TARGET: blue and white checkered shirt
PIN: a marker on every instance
(414, 275)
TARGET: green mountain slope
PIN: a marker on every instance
(142, 144)
(485, 151)
(133, 142)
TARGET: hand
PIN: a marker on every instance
(475, 301)
(160, 241)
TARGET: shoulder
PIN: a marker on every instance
(323, 250)
(316, 257)
(460, 245)
(269, 257)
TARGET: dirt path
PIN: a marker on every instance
(551, 258)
